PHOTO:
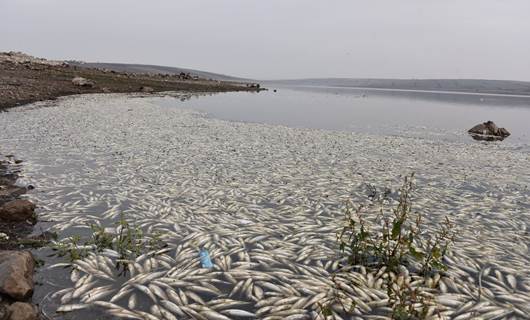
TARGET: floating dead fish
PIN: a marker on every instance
(267, 213)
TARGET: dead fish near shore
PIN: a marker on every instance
(266, 203)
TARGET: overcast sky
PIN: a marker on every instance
(273, 39)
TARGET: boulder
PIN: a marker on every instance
(16, 274)
(147, 90)
(23, 311)
(17, 210)
(82, 82)
(8, 193)
(488, 131)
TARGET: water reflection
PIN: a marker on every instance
(419, 114)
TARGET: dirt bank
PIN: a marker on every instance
(24, 79)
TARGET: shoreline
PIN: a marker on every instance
(448, 92)
(17, 263)
(30, 80)
(9, 191)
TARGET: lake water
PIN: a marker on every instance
(417, 114)
(266, 201)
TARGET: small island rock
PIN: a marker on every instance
(488, 131)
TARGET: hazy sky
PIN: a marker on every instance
(282, 38)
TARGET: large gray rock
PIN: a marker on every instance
(16, 274)
(17, 210)
(82, 82)
(488, 131)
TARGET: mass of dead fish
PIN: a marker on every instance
(266, 203)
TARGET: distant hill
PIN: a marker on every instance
(459, 85)
(153, 69)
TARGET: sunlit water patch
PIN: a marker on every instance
(266, 202)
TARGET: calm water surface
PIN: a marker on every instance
(419, 114)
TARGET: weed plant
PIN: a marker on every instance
(128, 243)
(396, 246)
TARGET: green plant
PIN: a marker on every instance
(129, 242)
(407, 302)
(100, 238)
(71, 248)
(395, 242)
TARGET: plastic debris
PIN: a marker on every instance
(206, 262)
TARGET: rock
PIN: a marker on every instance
(17, 210)
(4, 311)
(10, 193)
(82, 82)
(11, 178)
(16, 274)
(23, 311)
(492, 127)
(479, 129)
(503, 132)
(488, 131)
(147, 89)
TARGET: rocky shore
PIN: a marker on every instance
(25, 79)
(17, 217)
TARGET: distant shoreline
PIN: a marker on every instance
(414, 90)
(467, 86)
